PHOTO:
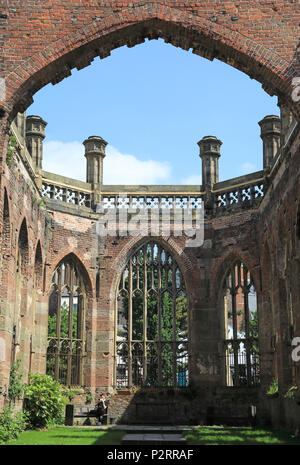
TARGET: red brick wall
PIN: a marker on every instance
(24, 223)
(41, 41)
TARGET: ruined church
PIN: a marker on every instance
(186, 292)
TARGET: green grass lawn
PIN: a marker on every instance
(69, 436)
(219, 435)
(216, 435)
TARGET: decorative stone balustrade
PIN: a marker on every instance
(147, 201)
(226, 200)
(238, 197)
(66, 194)
(227, 197)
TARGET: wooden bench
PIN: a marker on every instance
(74, 412)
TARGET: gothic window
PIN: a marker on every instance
(66, 324)
(37, 288)
(20, 288)
(23, 253)
(151, 324)
(6, 226)
(97, 284)
(38, 267)
(241, 328)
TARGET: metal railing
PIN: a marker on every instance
(241, 363)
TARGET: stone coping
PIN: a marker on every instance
(239, 181)
(155, 189)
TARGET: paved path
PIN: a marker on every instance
(151, 438)
(163, 435)
(143, 435)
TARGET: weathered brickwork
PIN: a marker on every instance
(46, 41)
(25, 227)
(40, 43)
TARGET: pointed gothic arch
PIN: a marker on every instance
(21, 281)
(131, 25)
(151, 320)
(66, 322)
(240, 325)
(284, 308)
(6, 229)
(23, 248)
(267, 316)
(38, 267)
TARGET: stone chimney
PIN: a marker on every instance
(270, 128)
(94, 153)
(210, 154)
(35, 134)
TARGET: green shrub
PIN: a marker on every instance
(88, 398)
(273, 388)
(11, 424)
(291, 392)
(11, 149)
(71, 393)
(44, 402)
(16, 386)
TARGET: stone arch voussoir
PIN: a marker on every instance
(134, 243)
(131, 26)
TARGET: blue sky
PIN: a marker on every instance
(152, 103)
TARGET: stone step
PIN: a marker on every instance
(152, 438)
(155, 430)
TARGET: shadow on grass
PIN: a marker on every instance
(103, 437)
(110, 438)
(239, 436)
(69, 436)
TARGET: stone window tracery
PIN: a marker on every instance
(151, 329)
(66, 324)
(241, 327)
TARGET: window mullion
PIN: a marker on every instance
(58, 324)
(130, 326)
(80, 350)
(70, 325)
(159, 346)
(174, 323)
(241, 361)
(234, 327)
(154, 351)
(70, 328)
(247, 326)
(145, 319)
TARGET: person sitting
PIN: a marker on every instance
(102, 408)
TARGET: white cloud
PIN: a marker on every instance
(67, 159)
(194, 179)
(247, 167)
(122, 168)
